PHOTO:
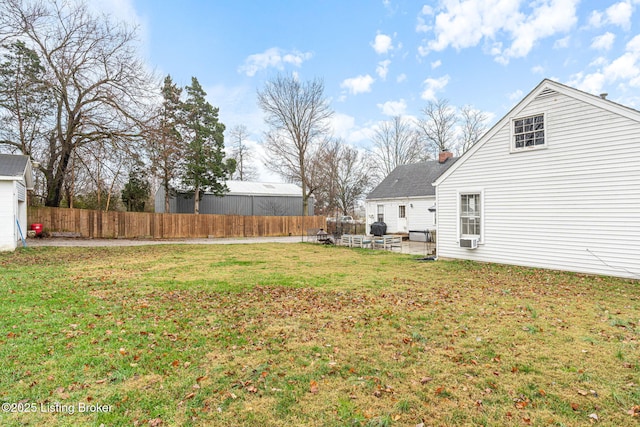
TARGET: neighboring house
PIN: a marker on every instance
(405, 200)
(15, 179)
(243, 198)
(554, 184)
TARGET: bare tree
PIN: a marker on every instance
(345, 178)
(93, 71)
(324, 177)
(297, 114)
(473, 125)
(352, 178)
(438, 125)
(245, 171)
(395, 142)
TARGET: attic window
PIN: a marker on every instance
(529, 132)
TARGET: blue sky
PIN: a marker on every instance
(382, 58)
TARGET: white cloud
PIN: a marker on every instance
(272, 58)
(359, 84)
(623, 70)
(383, 69)
(393, 108)
(466, 23)
(595, 19)
(436, 64)
(591, 83)
(422, 26)
(538, 69)
(603, 42)
(515, 96)
(634, 45)
(618, 14)
(599, 61)
(382, 44)
(562, 43)
(342, 125)
(432, 86)
(547, 20)
(426, 10)
(401, 78)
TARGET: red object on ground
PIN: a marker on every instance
(37, 228)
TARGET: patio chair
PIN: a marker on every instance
(346, 240)
(360, 241)
(388, 242)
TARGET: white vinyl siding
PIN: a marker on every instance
(7, 216)
(417, 213)
(574, 206)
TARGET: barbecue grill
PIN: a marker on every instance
(379, 228)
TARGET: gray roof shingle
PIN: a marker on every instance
(13, 165)
(411, 180)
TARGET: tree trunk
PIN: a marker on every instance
(196, 201)
(167, 206)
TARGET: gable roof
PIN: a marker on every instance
(545, 88)
(15, 168)
(412, 180)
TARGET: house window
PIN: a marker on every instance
(380, 213)
(402, 211)
(528, 132)
(470, 214)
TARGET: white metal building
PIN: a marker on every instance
(15, 179)
(554, 184)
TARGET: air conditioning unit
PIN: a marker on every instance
(470, 243)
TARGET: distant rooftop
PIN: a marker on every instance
(412, 180)
(263, 188)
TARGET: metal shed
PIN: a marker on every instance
(244, 198)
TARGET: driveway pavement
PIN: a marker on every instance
(413, 248)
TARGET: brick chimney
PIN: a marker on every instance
(444, 155)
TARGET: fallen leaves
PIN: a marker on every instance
(634, 411)
(521, 402)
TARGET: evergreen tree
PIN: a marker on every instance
(25, 99)
(205, 168)
(165, 140)
(136, 192)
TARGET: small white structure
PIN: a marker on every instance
(15, 179)
(554, 184)
(405, 200)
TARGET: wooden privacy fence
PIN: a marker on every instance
(130, 225)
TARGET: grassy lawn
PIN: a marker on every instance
(302, 334)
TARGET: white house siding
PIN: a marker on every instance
(573, 206)
(7, 216)
(418, 216)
